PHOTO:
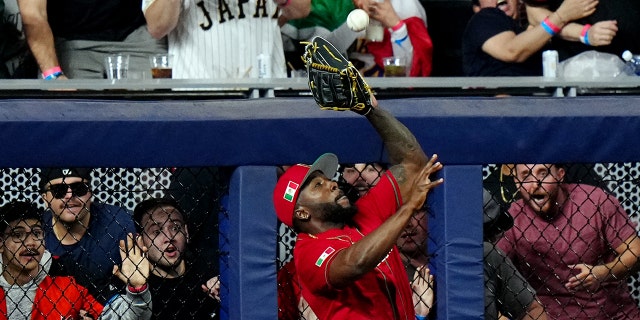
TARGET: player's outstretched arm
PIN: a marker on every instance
(363, 256)
(405, 153)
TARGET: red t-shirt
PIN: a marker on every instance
(383, 293)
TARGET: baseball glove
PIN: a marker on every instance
(334, 82)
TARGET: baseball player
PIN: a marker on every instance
(219, 39)
(345, 254)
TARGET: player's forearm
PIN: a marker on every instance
(364, 255)
(402, 146)
(162, 17)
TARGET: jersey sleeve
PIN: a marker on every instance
(381, 202)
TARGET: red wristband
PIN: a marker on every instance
(553, 27)
(137, 290)
(51, 71)
(397, 26)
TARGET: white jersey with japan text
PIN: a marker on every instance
(223, 38)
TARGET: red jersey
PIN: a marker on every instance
(383, 293)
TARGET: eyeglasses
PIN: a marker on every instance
(59, 191)
(20, 235)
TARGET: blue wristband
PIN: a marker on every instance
(421, 317)
(547, 28)
(53, 76)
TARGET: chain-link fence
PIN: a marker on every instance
(82, 218)
(537, 276)
(568, 240)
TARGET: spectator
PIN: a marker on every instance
(574, 243)
(29, 292)
(324, 18)
(405, 34)
(72, 38)
(494, 45)
(507, 292)
(360, 177)
(82, 235)
(177, 291)
(218, 39)
(345, 278)
(612, 28)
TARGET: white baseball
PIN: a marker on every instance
(357, 20)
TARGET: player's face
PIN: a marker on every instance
(22, 248)
(362, 176)
(165, 235)
(70, 205)
(538, 185)
(325, 200)
(413, 240)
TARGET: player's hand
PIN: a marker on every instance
(588, 278)
(423, 184)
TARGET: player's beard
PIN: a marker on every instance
(333, 212)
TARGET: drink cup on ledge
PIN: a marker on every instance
(395, 67)
(117, 66)
(161, 66)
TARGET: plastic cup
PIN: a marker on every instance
(395, 67)
(117, 66)
(161, 66)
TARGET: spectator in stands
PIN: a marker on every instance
(494, 45)
(574, 243)
(612, 28)
(325, 18)
(345, 278)
(360, 177)
(82, 234)
(405, 34)
(507, 292)
(178, 292)
(217, 39)
(72, 39)
(28, 292)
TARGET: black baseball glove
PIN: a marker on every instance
(334, 82)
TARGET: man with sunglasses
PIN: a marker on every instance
(82, 235)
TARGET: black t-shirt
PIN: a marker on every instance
(181, 298)
(108, 20)
(482, 26)
(625, 12)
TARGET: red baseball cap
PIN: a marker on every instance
(287, 190)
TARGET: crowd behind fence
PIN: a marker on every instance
(200, 192)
